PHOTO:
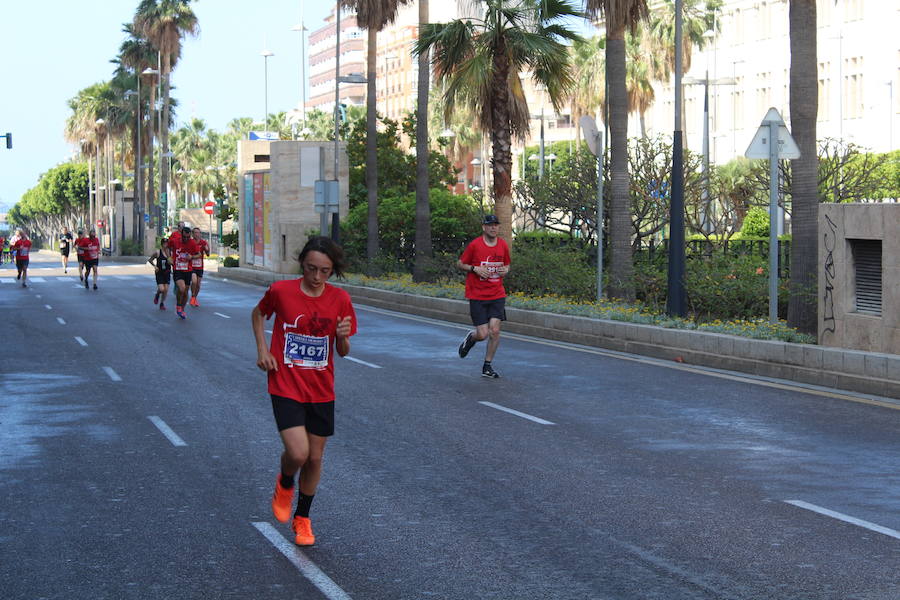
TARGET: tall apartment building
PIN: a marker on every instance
(747, 67)
(322, 45)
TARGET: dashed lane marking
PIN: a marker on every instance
(518, 414)
(846, 518)
(60, 320)
(112, 374)
(80, 341)
(167, 431)
(218, 314)
(362, 362)
(308, 568)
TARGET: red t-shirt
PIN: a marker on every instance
(79, 249)
(478, 253)
(22, 248)
(197, 263)
(181, 252)
(90, 248)
(303, 339)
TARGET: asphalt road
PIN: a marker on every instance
(138, 452)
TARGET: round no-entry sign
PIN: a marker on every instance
(210, 207)
(100, 223)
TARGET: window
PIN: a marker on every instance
(853, 87)
(867, 271)
(824, 91)
(763, 92)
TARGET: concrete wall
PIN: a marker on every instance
(841, 325)
(289, 211)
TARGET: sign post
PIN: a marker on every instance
(594, 138)
(774, 142)
(209, 208)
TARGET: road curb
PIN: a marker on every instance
(869, 373)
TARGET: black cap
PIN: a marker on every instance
(185, 229)
(490, 220)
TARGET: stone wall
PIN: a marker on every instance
(846, 321)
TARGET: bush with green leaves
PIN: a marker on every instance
(231, 261)
(756, 223)
(546, 265)
(455, 220)
(131, 247)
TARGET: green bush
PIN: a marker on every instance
(455, 220)
(541, 271)
(756, 223)
(231, 261)
(131, 247)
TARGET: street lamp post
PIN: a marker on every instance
(301, 28)
(266, 54)
(149, 72)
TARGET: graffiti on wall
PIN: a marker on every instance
(829, 240)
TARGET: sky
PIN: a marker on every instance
(51, 49)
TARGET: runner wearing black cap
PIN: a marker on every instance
(486, 260)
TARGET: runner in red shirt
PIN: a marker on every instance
(486, 260)
(313, 319)
(182, 250)
(22, 247)
(90, 252)
(197, 267)
(79, 254)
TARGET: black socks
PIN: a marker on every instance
(287, 481)
(303, 506)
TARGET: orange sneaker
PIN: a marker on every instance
(282, 500)
(303, 528)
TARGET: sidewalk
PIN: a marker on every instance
(871, 374)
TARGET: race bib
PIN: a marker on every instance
(182, 261)
(306, 351)
(492, 268)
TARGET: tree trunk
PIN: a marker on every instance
(621, 270)
(501, 147)
(164, 143)
(423, 207)
(803, 303)
(372, 149)
(149, 198)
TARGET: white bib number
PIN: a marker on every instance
(306, 351)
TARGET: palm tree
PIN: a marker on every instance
(423, 201)
(589, 92)
(620, 15)
(164, 23)
(479, 61)
(373, 16)
(804, 105)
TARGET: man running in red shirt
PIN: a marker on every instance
(486, 260)
(90, 251)
(197, 267)
(79, 254)
(22, 247)
(182, 250)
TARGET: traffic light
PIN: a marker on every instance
(8, 140)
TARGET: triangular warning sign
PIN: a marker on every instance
(759, 147)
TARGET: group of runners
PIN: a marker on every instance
(180, 257)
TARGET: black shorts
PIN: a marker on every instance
(91, 262)
(184, 276)
(164, 277)
(64, 252)
(198, 273)
(317, 417)
(22, 263)
(482, 311)
(80, 258)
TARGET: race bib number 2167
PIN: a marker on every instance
(305, 351)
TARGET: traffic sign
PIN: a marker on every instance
(759, 147)
(210, 207)
(101, 223)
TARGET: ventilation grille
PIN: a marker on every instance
(867, 267)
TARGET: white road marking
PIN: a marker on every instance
(7, 280)
(729, 375)
(221, 315)
(167, 431)
(268, 331)
(112, 374)
(518, 414)
(36, 279)
(61, 320)
(228, 355)
(846, 518)
(308, 568)
(48, 307)
(362, 362)
(80, 341)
